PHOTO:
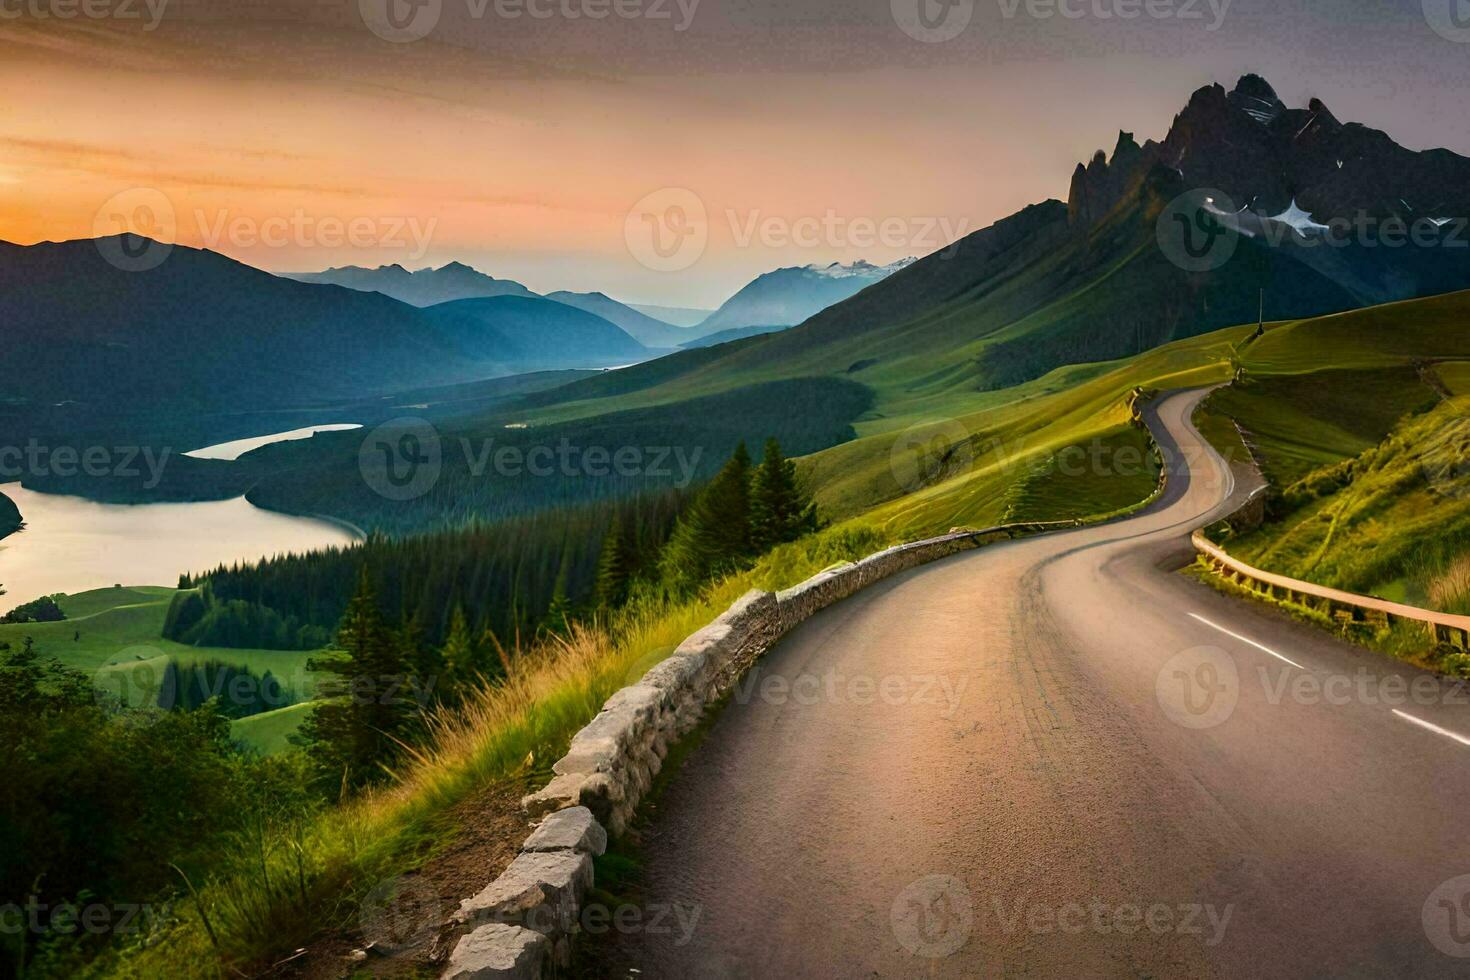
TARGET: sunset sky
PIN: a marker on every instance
(520, 144)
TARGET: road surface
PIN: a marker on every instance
(1058, 757)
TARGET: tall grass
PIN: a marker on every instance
(1449, 591)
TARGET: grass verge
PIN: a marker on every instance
(1403, 641)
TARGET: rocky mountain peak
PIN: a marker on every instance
(1264, 155)
(1254, 96)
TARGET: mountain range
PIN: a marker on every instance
(1098, 277)
(780, 298)
(1269, 158)
(424, 287)
(204, 332)
(201, 332)
(457, 281)
(1074, 282)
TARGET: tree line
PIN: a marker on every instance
(505, 580)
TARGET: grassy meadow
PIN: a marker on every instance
(115, 635)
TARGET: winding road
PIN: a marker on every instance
(1058, 757)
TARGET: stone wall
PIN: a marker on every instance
(522, 924)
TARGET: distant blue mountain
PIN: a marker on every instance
(645, 329)
(202, 332)
(533, 331)
(792, 295)
(424, 287)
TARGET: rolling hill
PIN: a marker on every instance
(113, 635)
(726, 336)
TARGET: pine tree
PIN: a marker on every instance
(612, 568)
(460, 655)
(712, 537)
(559, 615)
(423, 657)
(780, 510)
(367, 703)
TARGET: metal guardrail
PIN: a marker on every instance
(1358, 608)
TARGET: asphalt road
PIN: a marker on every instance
(1058, 757)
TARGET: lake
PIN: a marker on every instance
(72, 544)
(239, 447)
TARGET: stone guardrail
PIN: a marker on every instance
(521, 925)
(1344, 606)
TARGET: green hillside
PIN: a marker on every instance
(1297, 422)
(115, 635)
(1303, 421)
(1392, 520)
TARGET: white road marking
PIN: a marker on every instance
(1432, 727)
(1247, 640)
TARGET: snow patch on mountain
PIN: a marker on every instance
(861, 267)
(1298, 219)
